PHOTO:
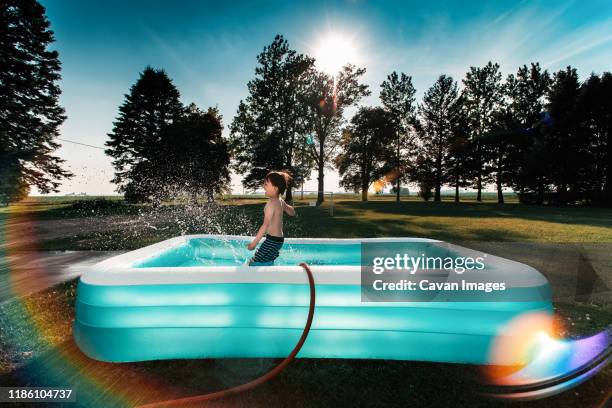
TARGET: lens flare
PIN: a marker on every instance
(530, 361)
(42, 322)
(388, 178)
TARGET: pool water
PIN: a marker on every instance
(233, 252)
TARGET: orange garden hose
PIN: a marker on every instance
(260, 380)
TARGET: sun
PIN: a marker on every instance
(333, 52)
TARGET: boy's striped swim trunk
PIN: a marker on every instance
(268, 251)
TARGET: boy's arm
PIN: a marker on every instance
(288, 209)
(264, 227)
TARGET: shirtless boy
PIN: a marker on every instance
(275, 184)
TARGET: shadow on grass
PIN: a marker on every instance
(343, 225)
(594, 216)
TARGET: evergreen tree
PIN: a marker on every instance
(500, 147)
(152, 104)
(30, 114)
(365, 155)
(482, 94)
(595, 103)
(526, 94)
(269, 130)
(397, 96)
(194, 157)
(327, 98)
(424, 175)
(457, 161)
(438, 115)
(565, 140)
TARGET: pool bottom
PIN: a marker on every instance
(148, 343)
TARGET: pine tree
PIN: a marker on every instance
(482, 95)
(397, 96)
(565, 141)
(152, 104)
(30, 114)
(526, 94)
(500, 145)
(595, 103)
(438, 115)
(457, 161)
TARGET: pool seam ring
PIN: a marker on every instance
(265, 377)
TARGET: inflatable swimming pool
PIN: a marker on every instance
(193, 297)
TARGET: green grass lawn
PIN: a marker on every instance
(381, 217)
(36, 337)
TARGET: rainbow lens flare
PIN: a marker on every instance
(530, 362)
(40, 321)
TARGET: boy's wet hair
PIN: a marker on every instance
(280, 180)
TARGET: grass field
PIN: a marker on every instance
(36, 341)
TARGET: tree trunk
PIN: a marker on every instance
(608, 186)
(437, 191)
(320, 195)
(479, 178)
(562, 193)
(456, 188)
(364, 193)
(438, 176)
(398, 187)
(498, 181)
(540, 197)
(321, 182)
(500, 195)
(289, 192)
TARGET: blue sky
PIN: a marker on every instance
(209, 49)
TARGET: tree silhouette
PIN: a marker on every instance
(194, 157)
(500, 149)
(365, 156)
(564, 140)
(595, 104)
(457, 161)
(482, 94)
(438, 114)
(29, 102)
(526, 93)
(269, 130)
(326, 99)
(152, 104)
(397, 96)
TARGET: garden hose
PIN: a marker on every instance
(260, 380)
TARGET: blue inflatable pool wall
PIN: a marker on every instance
(193, 297)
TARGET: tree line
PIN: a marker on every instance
(545, 136)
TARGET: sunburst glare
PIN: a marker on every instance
(333, 51)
